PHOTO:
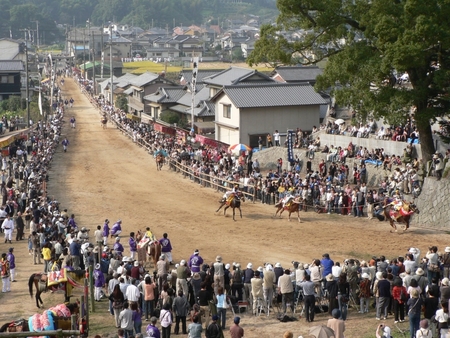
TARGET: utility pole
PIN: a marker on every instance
(93, 60)
(27, 83)
(111, 64)
(89, 33)
(37, 33)
(84, 52)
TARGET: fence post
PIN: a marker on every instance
(91, 290)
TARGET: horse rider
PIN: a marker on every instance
(149, 234)
(287, 198)
(397, 203)
(228, 193)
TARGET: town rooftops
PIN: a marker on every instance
(272, 95)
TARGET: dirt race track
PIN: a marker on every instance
(104, 175)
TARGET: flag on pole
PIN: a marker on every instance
(40, 99)
(290, 146)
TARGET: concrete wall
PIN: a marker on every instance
(391, 147)
(433, 204)
(267, 120)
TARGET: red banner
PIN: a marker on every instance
(164, 129)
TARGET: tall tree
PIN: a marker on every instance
(364, 43)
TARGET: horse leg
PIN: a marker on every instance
(298, 215)
(289, 217)
(234, 214)
(225, 210)
(240, 211)
(220, 207)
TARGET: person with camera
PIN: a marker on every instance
(385, 331)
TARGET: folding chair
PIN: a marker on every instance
(243, 304)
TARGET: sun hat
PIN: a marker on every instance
(365, 275)
(447, 249)
(419, 272)
(218, 259)
(97, 266)
(249, 266)
(136, 263)
(278, 265)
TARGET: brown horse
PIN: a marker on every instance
(148, 248)
(290, 207)
(63, 323)
(233, 202)
(40, 282)
(401, 217)
(159, 161)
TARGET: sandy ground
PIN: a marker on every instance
(104, 175)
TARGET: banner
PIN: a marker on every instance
(40, 100)
(290, 145)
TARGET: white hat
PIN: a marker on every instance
(445, 281)
(365, 275)
(260, 269)
(183, 262)
(278, 265)
(413, 250)
(249, 266)
(117, 239)
(387, 332)
(125, 259)
(97, 266)
(61, 219)
(218, 259)
(447, 249)
(420, 272)
(379, 275)
(136, 263)
(105, 248)
(227, 266)
(162, 257)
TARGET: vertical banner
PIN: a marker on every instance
(40, 99)
(290, 145)
(194, 83)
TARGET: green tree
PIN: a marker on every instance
(122, 103)
(364, 42)
(169, 117)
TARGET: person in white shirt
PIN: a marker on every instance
(276, 138)
(8, 227)
(336, 270)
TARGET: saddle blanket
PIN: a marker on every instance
(56, 277)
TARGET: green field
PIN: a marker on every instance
(149, 66)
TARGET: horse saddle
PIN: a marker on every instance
(17, 326)
(229, 199)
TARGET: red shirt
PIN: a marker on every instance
(396, 293)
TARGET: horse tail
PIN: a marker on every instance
(30, 284)
(4, 327)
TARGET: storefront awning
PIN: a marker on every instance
(7, 140)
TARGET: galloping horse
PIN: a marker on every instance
(40, 281)
(291, 207)
(234, 201)
(104, 121)
(61, 320)
(159, 161)
(402, 216)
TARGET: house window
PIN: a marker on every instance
(4, 79)
(227, 111)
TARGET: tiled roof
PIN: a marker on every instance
(186, 75)
(143, 79)
(125, 79)
(11, 65)
(273, 95)
(208, 109)
(202, 94)
(234, 75)
(299, 74)
(166, 95)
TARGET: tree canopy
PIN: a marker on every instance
(365, 42)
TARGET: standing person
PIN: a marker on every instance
(165, 318)
(20, 224)
(47, 256)
(162, 267)
(214, 330)
(441, 317)
(310, 299)
(99, 282)
(152, 330)
(65, 143)
(286, 289)
(34, 241)
(182, 274)
(149, 296)
(105, 232)
(343, 295)
(269, 141)
(336, 324)
(180, 308)
(133, 246)
(236, 331)
(260, 143)
(276, 138)
(126, 320)
(8, 228)
(399, 304)
(221, 306)
(98, 236)
(12, 264)
(415, 306)
(195, 261)
(364, 295)
(195, 328)
(166, 247)
(137, 318)
(257, 291)
(268, 285)
(71, 101)
(424, 332)
(75, 253)
(219, 274)
(72, 121)
(118, 299)
(5, 274)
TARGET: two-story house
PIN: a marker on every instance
(10, 78)
(141, 86)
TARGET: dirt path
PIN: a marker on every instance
(104, 175)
